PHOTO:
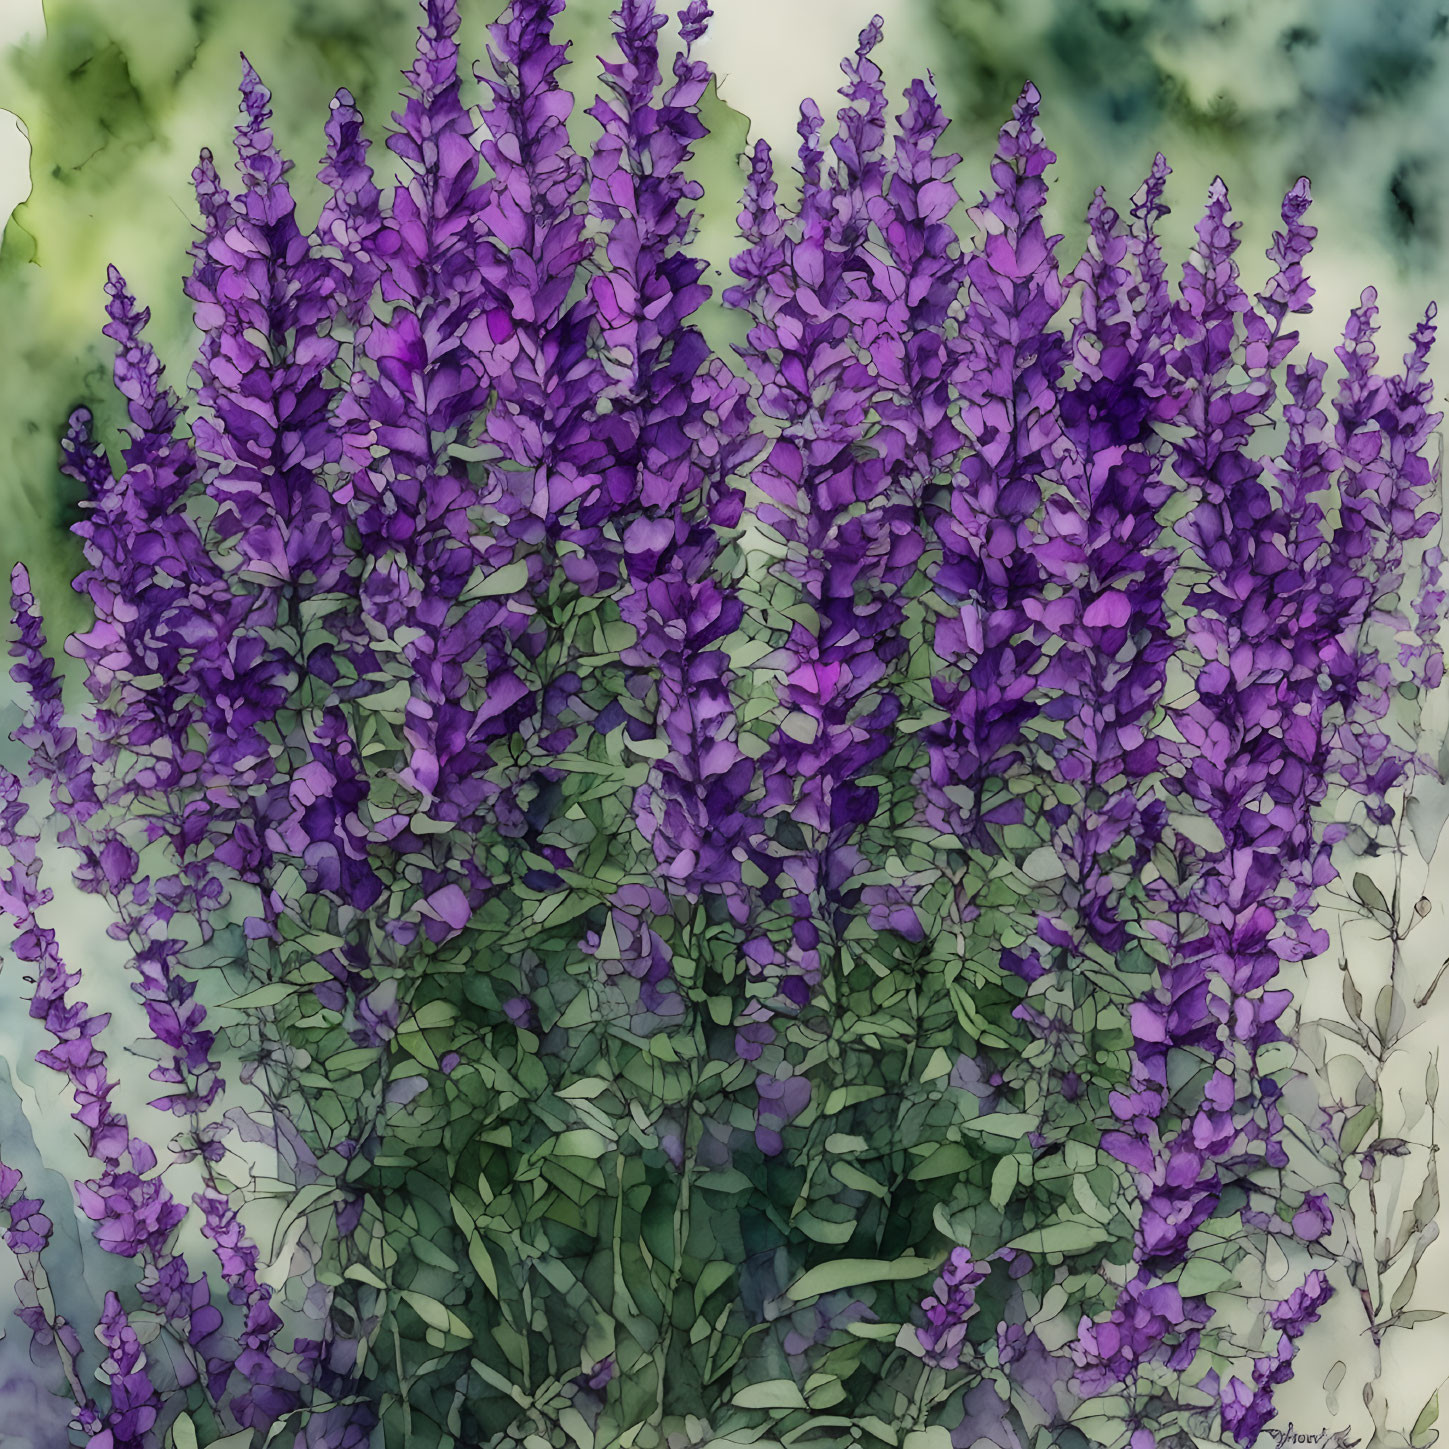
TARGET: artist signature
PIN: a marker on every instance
(1324, 1438)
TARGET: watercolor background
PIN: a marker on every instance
(116, 97)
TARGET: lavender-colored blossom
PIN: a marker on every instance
(267, 431)
(1293, 1315)
(177, 1023)
(1151, 1323)
(1390, 499)
(848, 567)
(538, 439)
(649, 285)
(949, 1308)
(677, 430)
(134, 1214)
(1314, 1219)
(135, 1403)
(1100, 545)
(351, 223)
(264, 298)
(637, 949)
(426, 384)
(1010, 369)
(913, 351)
(153, 587)
(1011, 1343)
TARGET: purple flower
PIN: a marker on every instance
(1314, 1219)
(1300, 1308)
(1011, 1343)
(522, 1012)
(1151, 1323)
(1245, 1410)
(135, 1403)
(949, 1307)
(597, 1379)
(779, 1102)
(351, 224)
(1009, 364)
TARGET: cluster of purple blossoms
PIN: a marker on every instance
(1247, 1408)
(528, 444)
(676, 431)
(1150, 1323)
(1008, 372)
(1274, 620)
(841, 500)
(949, 1308)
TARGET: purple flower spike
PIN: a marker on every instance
(351, 224)
(1011, 362)
(949, 1308)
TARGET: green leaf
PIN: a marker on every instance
(936, 1437)
(878, 1427)
(824, 1391)
(482, 1262)
(1356, 1128)
(437, 1315)
(363, 1274)
(1405, 1290)
(508, 580)
(842, 1097)
(433, 1255)
(800, 727)
(847, 1174)
(849, 1272)
(582, 1142)
(1011, 1125)
(712, 1277)
(947, 1159)
(771, 1394)
(1369, 893)
(1062, 1238)
(1419, 1434)
(269, 995)
(805, 614)
(938, 1066)
(306, 1200)
(1003, 1181)
(1202, 1275)
(390, 701)
(183, 1432)
(1388, 1013)
(822, 1230)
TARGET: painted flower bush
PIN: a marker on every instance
(688, 899)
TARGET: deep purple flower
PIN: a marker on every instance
(351, 225)
(1009, 369)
